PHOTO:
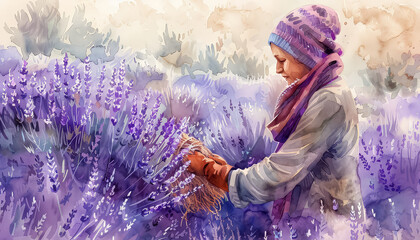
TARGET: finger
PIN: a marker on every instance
(195, 167)
(198, 162)
(218, 159)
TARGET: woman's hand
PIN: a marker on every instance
(198, 163)
(214, 169)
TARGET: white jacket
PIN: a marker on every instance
(318, 161)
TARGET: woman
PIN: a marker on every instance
(315, 123)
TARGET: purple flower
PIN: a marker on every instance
(119, 88)
(64, 118)
(241, 112)
(183, 183)
(164, 172)
(195, 189)
(108, 98)
(67, 93)
(39, 175)
(77, 85)
(72, 72)
(140, 122)
(152, 196)
(145, 212)
(219, 136)
(47, 119)
(53, 173)
(86, 115)
(227, 114)
(365, 163)
(133, 117)
(121, 73)
(11, 83)
(354, 225)
(152, 118)
(184, 124)
(66, 226)
(149, 154)
(114, 121)
(29, 110)
(113, 78)
(88, 77)
(293, 232)
(57, 77)
(174, 141)
(145, 104)
(23, 93)
(168, 128)
(89, 196)
(24, 69)
(134, 107)
(233, 142)
(163, 188)
(4, 96)
(65, 64)
(159, 122)
(129, 88)
(32, 81)
(116, 106)
(42, 87)
(23, 72)
(101, 85)
(178, 173)
(381, 175)
(51, 100)
(14, 99)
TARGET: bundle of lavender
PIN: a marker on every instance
(208, 198)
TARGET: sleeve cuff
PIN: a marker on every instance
(233, 189)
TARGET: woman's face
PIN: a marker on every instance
(287, 65)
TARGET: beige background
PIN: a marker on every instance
(374, 33)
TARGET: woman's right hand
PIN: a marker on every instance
(215, 157)
(215, 169)
(198, 163)
(218, 159)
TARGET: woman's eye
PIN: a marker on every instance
(280, 59)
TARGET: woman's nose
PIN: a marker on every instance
(279, 68)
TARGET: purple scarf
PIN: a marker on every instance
(291, 106)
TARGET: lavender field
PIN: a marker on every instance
(88, 142)
(88, 153)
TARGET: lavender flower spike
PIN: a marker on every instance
(23, 72)
(30, 106)
(101, 85)
(57, 78)
(53, 173)
(65, 64)
(88, 78)
(64, 117)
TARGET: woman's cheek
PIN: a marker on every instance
(286, 68)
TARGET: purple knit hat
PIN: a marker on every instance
(308, 34)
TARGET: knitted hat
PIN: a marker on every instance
(308, 34)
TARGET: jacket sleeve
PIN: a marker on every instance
(278, 174)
